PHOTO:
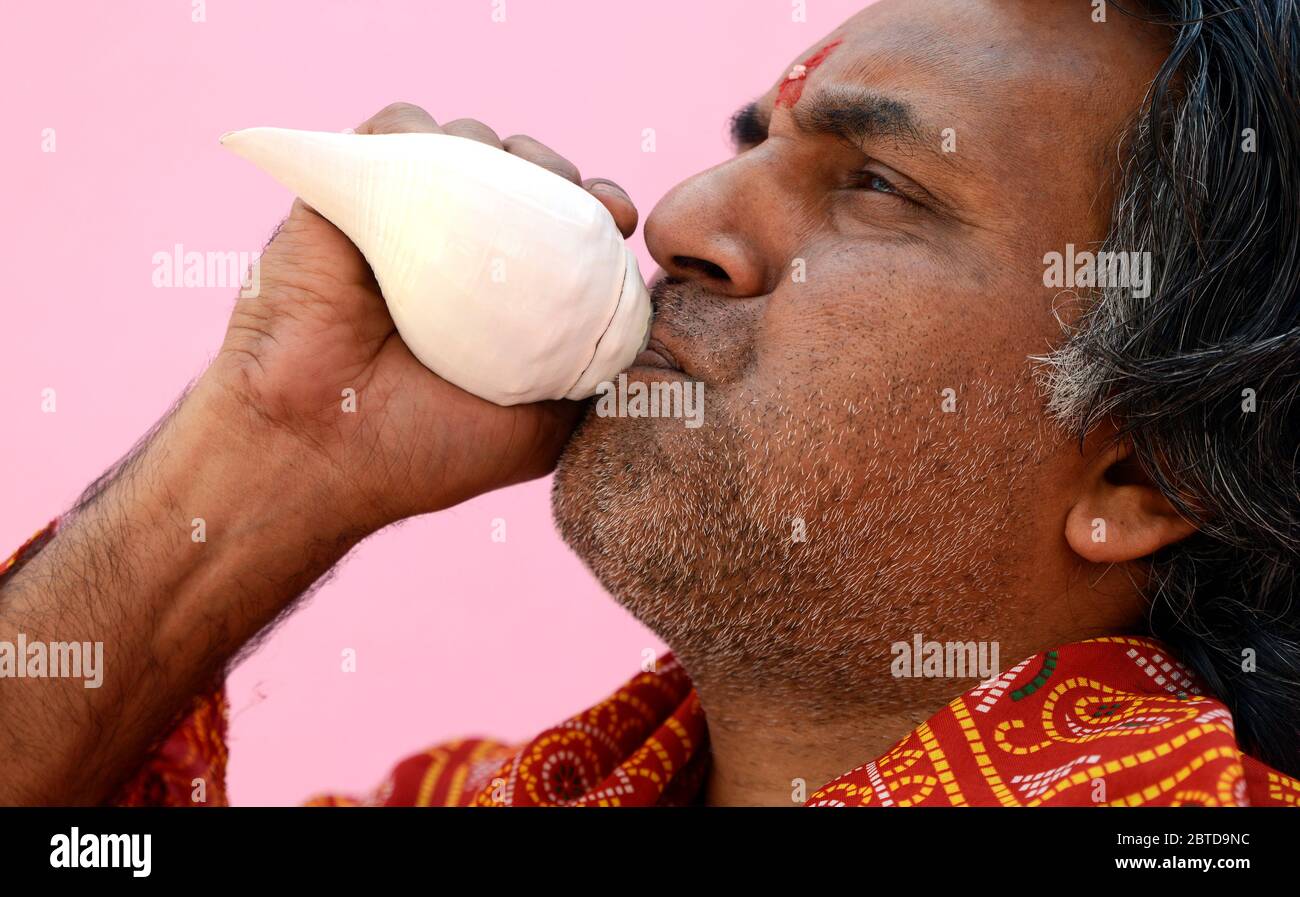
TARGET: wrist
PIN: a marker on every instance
(236, 506)
(235, 515)
(199, 540)
(275, 471)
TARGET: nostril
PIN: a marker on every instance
(703, 266)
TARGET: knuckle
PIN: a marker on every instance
(401, 110)
(474, 129)
(563, 167)
(540, 154)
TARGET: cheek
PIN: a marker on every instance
(896, 317)
(874, 364)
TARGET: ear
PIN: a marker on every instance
(1118, 515)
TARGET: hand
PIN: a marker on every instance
(320, 326)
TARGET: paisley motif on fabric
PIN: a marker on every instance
(1106, 722)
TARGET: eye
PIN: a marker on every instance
(880, 185)
(872, 180)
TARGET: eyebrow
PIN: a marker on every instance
(856, 115)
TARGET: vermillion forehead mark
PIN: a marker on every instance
(792, 89)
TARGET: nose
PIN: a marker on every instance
(707, 229)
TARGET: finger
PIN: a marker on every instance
(615, 198)
(299, 211)
(474, 130)
(540, 154)
(400, 118)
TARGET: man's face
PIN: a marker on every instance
(859, 289)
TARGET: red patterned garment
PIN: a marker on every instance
(1106, 722)
(1111, 721)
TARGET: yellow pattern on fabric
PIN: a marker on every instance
(1283, 788)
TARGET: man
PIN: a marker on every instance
(901, 448)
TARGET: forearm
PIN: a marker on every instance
(128, 569)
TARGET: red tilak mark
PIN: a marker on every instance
(792, 89)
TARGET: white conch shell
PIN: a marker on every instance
(509, 281)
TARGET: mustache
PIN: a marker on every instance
(680, 330)
(672, 294)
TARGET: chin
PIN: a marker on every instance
(607, 462)
(629, 496)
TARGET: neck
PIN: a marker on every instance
(771, 752)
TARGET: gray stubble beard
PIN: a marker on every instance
(910, 529)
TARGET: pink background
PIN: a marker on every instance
(455, 634)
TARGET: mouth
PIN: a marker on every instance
(656, 355)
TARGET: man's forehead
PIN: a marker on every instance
(912, 48)
(896, 59)
(965, 57)
(877, 77)
(1010, 76)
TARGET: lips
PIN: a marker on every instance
(656, 355)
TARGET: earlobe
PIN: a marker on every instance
(1119, 515)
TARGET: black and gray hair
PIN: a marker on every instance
(1203, 375)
